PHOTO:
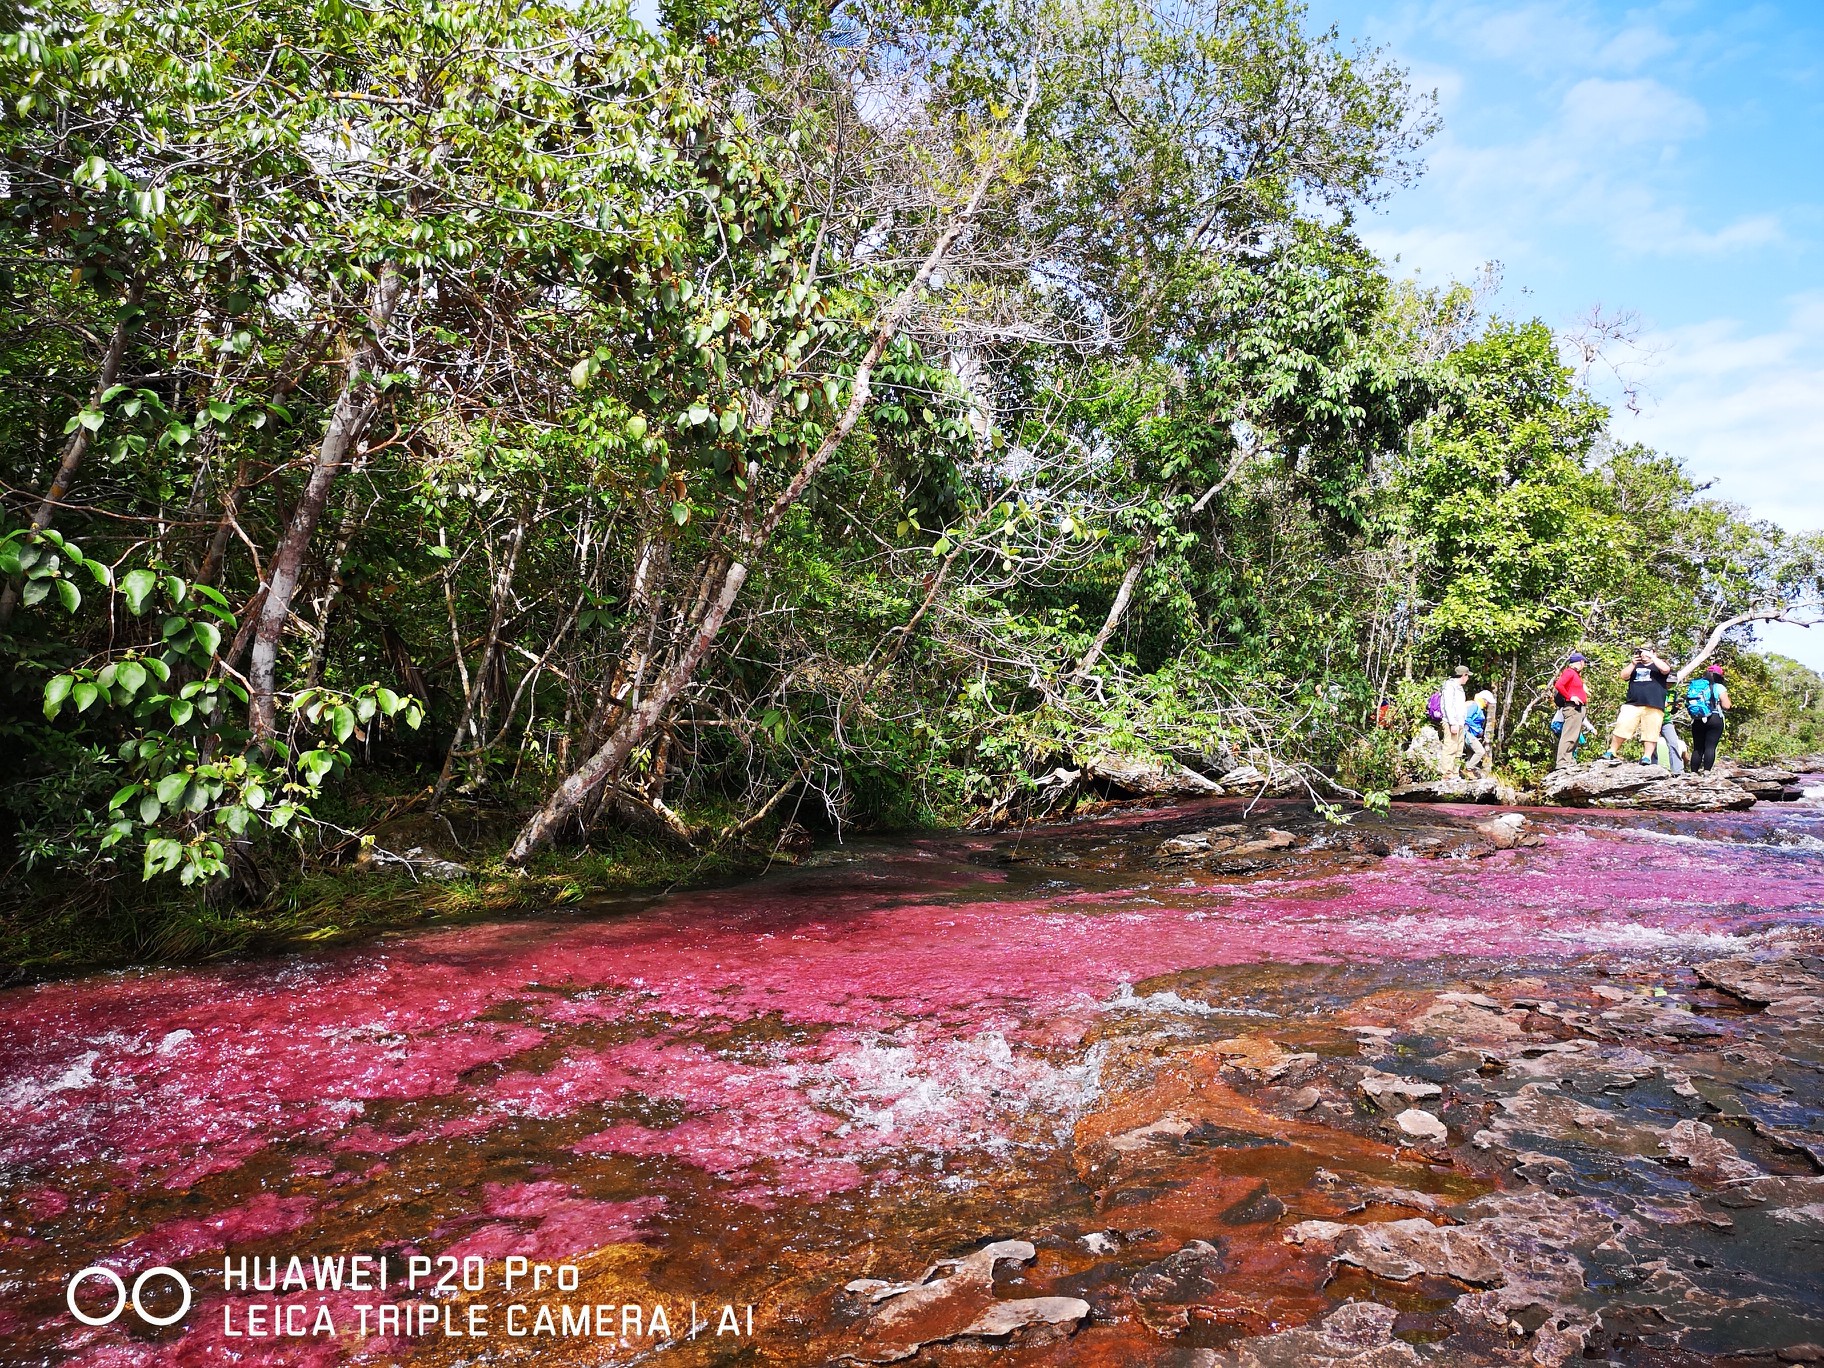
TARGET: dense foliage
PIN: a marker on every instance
(792, 415)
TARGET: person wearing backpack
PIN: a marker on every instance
(1572, 695)
(1707, 700)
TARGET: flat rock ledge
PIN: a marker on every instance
(1487, 790)
(1624, 784)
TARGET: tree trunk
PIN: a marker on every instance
(354, 407)
(1124, 596)
(78, 445)
(503, 584)
(1783, 613)
(353, 520)
(633, 728)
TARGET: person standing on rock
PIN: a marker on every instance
(1454, 700)
(1672, 750)
(1475, 733)
(1573, 697)
(1649, 678)
(1707, 700)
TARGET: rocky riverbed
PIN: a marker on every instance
(1219, 1084)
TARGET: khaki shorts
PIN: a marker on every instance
(1636, 719)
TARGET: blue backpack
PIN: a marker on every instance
(1700, 699)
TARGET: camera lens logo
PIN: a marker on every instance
(122, 1299)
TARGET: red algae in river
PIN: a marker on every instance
(791, 1041)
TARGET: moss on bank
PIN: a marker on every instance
(50, 927)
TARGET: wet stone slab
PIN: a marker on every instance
(1433, 1088)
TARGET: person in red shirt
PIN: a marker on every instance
(1573, 697)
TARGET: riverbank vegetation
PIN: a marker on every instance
(780, 418)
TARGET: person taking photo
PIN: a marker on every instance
(1649, 678)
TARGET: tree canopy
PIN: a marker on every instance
(784, 414)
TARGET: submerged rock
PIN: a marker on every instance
(1401, 1250)
(1355, 1335)
(1235, 840)
(906, 1317)
(1620, 784)
(1189, 1275)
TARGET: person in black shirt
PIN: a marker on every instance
(1649, 677)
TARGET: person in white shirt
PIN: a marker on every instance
(1454, 699)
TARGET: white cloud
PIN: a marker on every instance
(1439, 254)
(1632, 111)
(1635, 46)
(1746, 409)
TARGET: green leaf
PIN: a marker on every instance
(342, 720)
(136, 585)
(10, 563)
(119, 800)
(162, 856)
(413, 716)
(149, 809)
(102, 574)
(182, 709)
(130, 676)
(172, 787)
(55, 691)
(158, 669)
(208, 636)
(70, 594)
(34, 591)
(388, 700)
(84, 693)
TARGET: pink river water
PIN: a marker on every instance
(743, 1060)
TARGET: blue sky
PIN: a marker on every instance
(1665, 159)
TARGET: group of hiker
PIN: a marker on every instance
(1647, 713)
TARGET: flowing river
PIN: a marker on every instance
(1399, 1091)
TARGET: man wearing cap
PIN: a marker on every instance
(1573, 696)
(1706, 700)
(1454, 698)
(1649, 676)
